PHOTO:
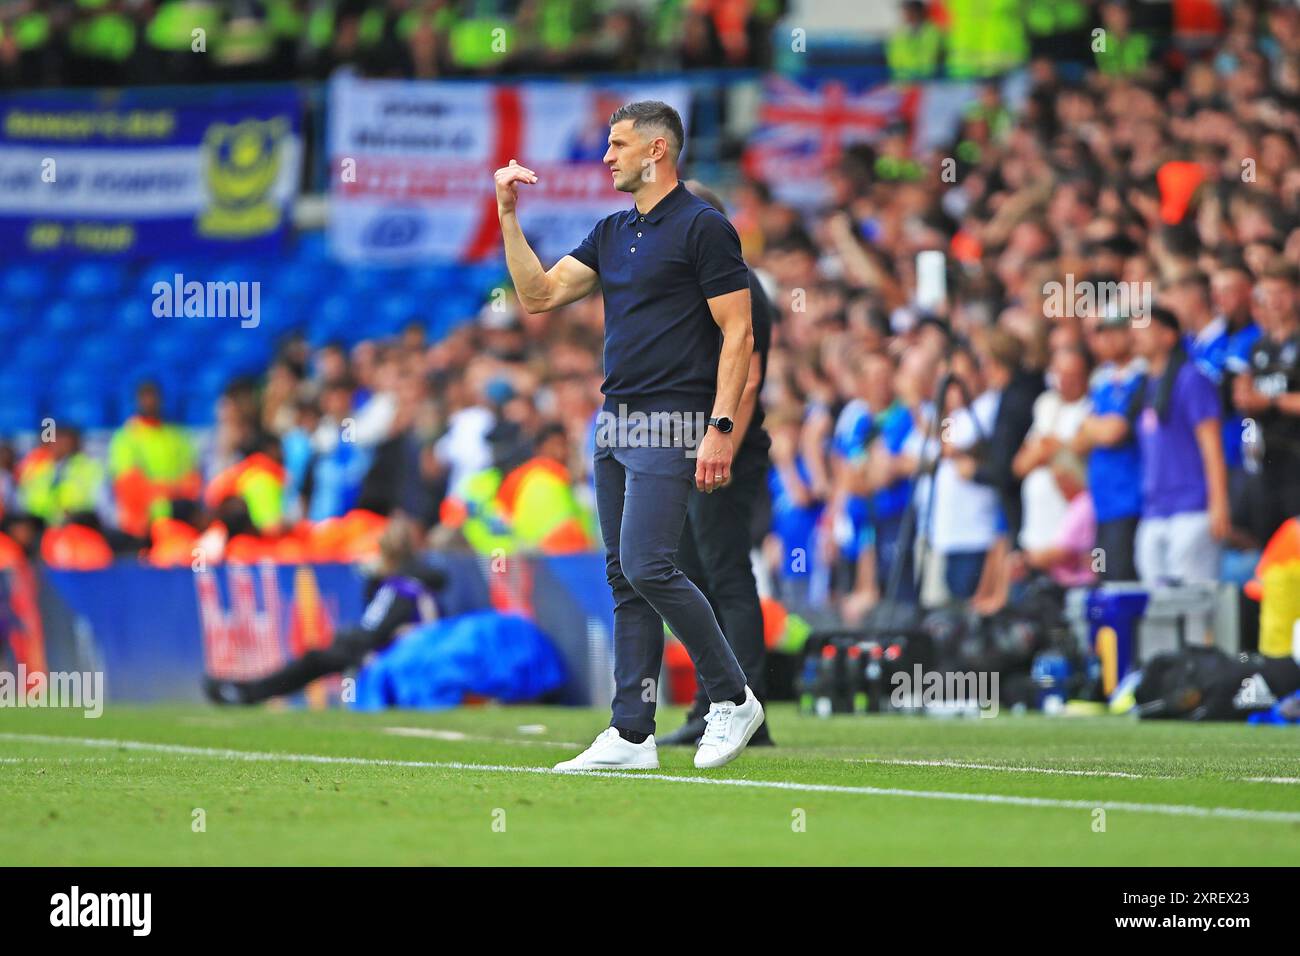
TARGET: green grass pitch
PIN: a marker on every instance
(336, 787)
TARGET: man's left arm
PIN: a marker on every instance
(731, 312)
(714, 248)
(749, 397)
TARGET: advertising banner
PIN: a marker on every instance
(147, 172)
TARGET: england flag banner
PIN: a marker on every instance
(411, 164)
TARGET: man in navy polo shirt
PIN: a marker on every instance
(678, 341)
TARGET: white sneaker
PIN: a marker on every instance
(728, 728)
(610, 751)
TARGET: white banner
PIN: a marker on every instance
(411, 164)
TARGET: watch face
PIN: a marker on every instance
(725, 425)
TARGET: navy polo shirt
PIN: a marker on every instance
(657, 272)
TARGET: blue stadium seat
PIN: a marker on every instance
(21, 409)
(35, 354)
(25, 282)
(165, 271)
(95, 280)
(431, 280)
(174, 348)
(87, 412)
(15, 320)
(312, 247)
(298, 280)
(105, 352)
(82, 398)
(365, 282)
(68, 318)
(396, 310)
(482, 277)
(134, 316)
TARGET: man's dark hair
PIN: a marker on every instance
(1163, 317)
(659, 116)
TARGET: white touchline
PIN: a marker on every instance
(1166, 809)
(1009, 768)
(457, 736)
(961, 765)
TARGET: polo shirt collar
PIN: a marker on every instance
(663, 206)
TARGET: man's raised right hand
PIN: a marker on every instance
(507, 191)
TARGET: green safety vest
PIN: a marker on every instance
(1048, 17)
(985, 38)
(53, 490)
(162, 452)
(472, 41)
(484, 529)
(370, 28)
(284, 19)
(173, 23)
(894, 169)
(108, 36)
(914, 54)
(1125, 55)
(30, 31)
(968, 151)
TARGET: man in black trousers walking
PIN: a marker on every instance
(714, 550)
(678, 341)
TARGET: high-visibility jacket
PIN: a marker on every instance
(174, 22)
(914, 54)
(1049, 17)
(985, 38)
(1124, 55)
(472, 507)
(1276, 586)
(108, 35)
(30, 31)
(537, 501)
(259, 480)
(151, 463)
(53, 489)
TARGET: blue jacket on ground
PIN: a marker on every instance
(502, 656)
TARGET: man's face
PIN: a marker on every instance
(1275, 303)
(1113, 343)
(1153, 340)
(1071, 375)
(1231, 290)
(631, 155)
(146, 402)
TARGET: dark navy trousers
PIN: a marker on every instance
(641, 497)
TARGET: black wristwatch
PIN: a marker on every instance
(724, 425)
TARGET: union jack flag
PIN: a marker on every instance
(805, 125)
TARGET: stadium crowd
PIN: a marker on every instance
(115, 42)
(1107, 387)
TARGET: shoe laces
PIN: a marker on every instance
(716, 723)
